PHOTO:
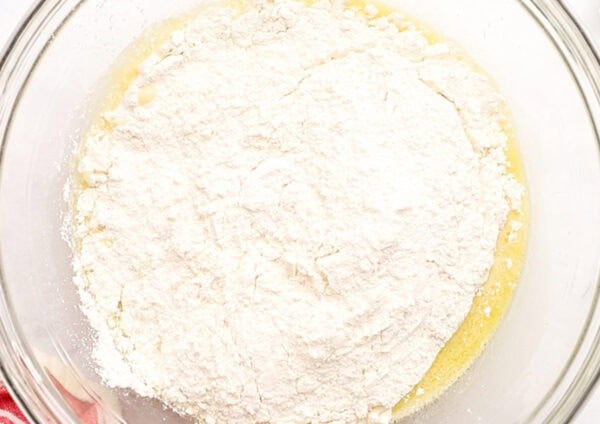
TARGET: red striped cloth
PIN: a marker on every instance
(87, 412)
(9, 411)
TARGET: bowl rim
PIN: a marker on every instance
(41, 403)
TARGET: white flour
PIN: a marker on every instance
(296, 217)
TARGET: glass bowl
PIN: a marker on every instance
(542, 361)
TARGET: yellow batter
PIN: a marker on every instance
(493, 298)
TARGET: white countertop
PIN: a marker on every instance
(587, 11)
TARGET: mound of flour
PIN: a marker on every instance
(291, 216)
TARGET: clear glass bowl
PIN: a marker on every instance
(544, 358)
